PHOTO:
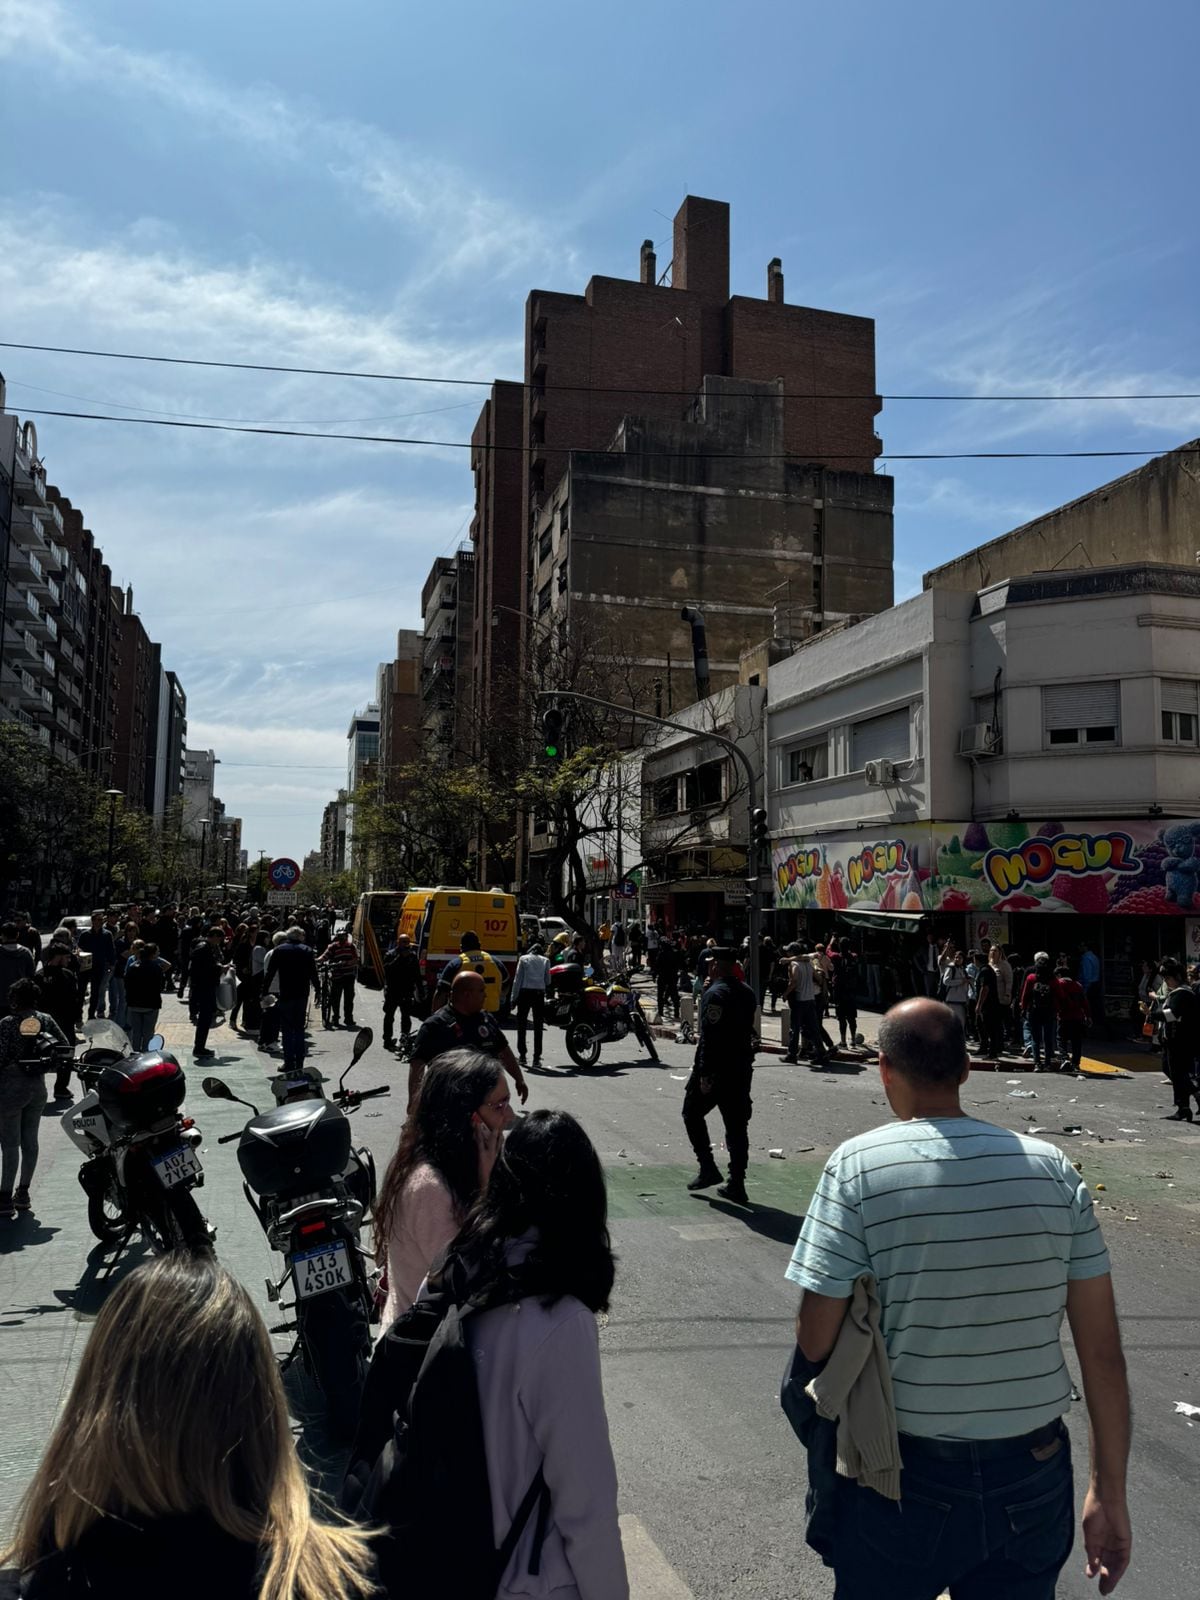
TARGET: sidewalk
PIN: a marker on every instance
(1125, 1055)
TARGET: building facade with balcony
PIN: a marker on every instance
(1021, 763)
(448, 616)
(398, 690)
(695, 814)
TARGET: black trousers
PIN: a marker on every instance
(668, 994)
(728, 1093)
(530, 1002)
(341, 992)
(406, 1005)
(1180, 1064)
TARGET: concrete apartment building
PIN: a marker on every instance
(333, 834)
(1150, 514)
(1021, 762)
(709, 510)
(498, 531)
(398, 690)
(199, 799)
(450, 669)
(134, 705)
(642, 349)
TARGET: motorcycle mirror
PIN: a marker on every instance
(155, 1042)
(363, 1040)
(216, 1090)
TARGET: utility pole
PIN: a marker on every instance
(113, 796)
(225, 875)
(755, 815)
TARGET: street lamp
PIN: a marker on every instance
(113, 796)
(225, 874)
(203, 845)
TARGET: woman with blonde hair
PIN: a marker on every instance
(171, 1469)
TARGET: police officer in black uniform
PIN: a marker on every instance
(721, 1076)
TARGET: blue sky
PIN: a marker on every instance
(1007, 190)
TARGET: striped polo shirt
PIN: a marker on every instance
(971, 1233)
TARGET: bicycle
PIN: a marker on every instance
(325, 996)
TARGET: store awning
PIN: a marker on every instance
(893, 921)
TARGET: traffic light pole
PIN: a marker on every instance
(753, 850)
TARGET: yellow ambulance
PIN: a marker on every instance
(436, 919)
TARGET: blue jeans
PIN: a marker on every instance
(116, 1000)
(805, 1024)
(986, 1528)
(1041, 1032)
(291, 1029)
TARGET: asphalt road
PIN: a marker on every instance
(712, 1481)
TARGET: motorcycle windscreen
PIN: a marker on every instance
(102, 1033)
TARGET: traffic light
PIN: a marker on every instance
(760, 832)
(552, 733)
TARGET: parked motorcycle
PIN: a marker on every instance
(311, 1192)
(142, 1162)
(594, 1015)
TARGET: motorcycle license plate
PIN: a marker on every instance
(324, 1268)
(177, 1166)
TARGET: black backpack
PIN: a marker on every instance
(418, 1466)
(1040, 1001)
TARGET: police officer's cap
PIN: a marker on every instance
(721, 953)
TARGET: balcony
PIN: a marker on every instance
(51, 626)
(28, 529)
(56, 517)
(20, 686)
(60, 715)
(55, 589)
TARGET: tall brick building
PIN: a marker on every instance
(642, 349)
(134, 705)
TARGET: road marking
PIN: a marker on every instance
(651, 1576)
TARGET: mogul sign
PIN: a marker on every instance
(1126, 868)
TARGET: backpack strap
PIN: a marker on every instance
(537, 1495)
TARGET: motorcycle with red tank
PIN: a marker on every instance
(594, 1014)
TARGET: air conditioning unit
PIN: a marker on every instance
(980, 739)
(879, 773)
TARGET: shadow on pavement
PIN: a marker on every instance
(97, 1280)
(23, 1231)
(781, 1226)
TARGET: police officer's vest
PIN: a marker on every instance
(492, 973)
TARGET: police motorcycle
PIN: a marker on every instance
(311, 1192)
(594, 1014)
(141, 1161)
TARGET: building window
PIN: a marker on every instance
(543, 599)
(1180, 719)
(1081, 713)
(884, 738)
(704, 787)
(808, 762)
(666, 797)
(546, 543)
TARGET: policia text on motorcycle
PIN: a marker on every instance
(721, 1077)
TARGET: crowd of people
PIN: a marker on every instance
(491, 1238)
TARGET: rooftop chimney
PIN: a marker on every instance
(775, 280)
(649, 262)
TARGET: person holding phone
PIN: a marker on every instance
(443, 1162)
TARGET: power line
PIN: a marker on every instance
(677, 455)
(558, 388)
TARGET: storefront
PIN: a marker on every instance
(1130, 889)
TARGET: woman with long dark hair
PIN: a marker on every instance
(171, 1469)
(443, 1161)
(544, 1219)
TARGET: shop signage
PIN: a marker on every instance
(1191, 940)
(1138, 868)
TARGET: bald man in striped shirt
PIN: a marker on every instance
(979, 1239)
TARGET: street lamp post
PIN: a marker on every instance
(225, 873)
(113, 796)
(203, 844)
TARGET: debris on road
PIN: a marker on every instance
(1023, 1094)
(1164, 1174)
(1183, 1409)
(776, 1155)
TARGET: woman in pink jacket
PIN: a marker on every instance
(544, 1218)
(443, 1161)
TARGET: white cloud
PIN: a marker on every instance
(457, 227)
